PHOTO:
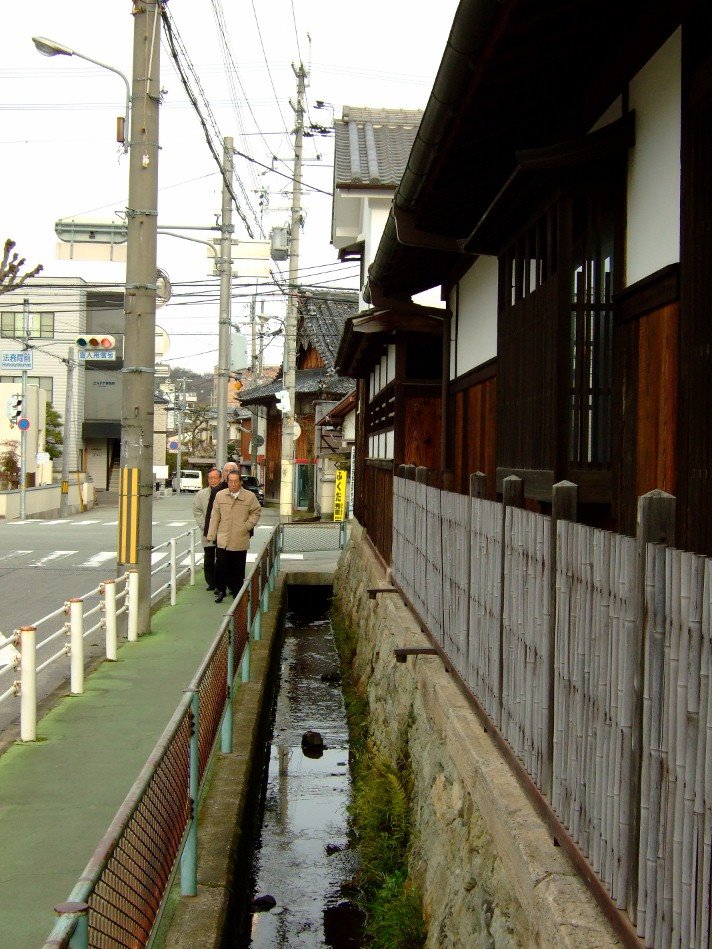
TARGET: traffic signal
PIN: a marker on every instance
(94, 342)
(14, 409)
(283, 401)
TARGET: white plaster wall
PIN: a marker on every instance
(66, 298)
(653, 228)
(475, 329)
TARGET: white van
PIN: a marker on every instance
(189, 481)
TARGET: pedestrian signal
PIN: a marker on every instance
(96, 342)
(14, 408)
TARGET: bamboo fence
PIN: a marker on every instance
(481, 577)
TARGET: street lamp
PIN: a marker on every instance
(52, 48)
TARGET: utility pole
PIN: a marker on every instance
(286, 487)
(136, 486)
(64, 496)
(180, 406)
(226, 229)
(23, 431)
(253, 370)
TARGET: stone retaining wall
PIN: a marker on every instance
(489, 871)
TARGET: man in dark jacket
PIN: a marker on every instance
(235, 513)
(202, 510)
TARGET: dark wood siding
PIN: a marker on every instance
(273, 454)
(377, 505)
(695, 431)
(473, 435)
(525, 397)
(421, 429)
(657, 401)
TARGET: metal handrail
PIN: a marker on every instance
(75, 921)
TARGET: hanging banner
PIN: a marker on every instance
(340, 496)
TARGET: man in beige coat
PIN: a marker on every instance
(235, 512)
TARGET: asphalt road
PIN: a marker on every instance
(43, 563)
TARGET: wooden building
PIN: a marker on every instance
(320, 321)
(558, 193)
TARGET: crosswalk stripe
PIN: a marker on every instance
(98, 559)
(156, 556)
(81, 523)
(14, 553)
(55, 555)
(177, 523)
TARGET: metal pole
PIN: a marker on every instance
(189, 857)
(110, 618)
(179, 412)
(226, 729)
(253, 370)
(132, 597)
(64, 496)
(224, 319)
(173, 571)
(136, 495)
(28, 683)
(76, 645)
(23, 432)
(286, 487)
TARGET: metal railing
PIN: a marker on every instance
(307, 537)
(119, 897)
(28, 650)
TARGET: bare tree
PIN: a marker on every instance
(12, 264)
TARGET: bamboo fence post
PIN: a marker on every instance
(564, 507)
(656, 525)
(421, 474)
(409, 472)
(478, 484)
(512, 496)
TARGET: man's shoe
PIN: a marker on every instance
(219, 597)
(209, 587)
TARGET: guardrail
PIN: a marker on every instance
(119, 898)
(101, 607)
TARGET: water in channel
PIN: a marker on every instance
(302, 857)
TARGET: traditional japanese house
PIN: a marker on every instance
(558, 194)
(320, 321)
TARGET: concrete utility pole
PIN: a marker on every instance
(180, 408)
(136, 491)
(23, 431)
(225, 294)
(286, 487)
(64, 496)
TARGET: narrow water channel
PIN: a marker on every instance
(302, 859)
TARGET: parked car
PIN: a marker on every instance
(252, 484)
(189, 481)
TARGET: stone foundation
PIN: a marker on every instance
(489, 872)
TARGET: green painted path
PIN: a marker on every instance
(59, 795)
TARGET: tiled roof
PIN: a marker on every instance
(322, 318)
(372, 146)
(317, 382)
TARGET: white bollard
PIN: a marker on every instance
(132, 580)
(76, 645)
(28, 683)
(173, 571)
(193, 535)
(110, 618)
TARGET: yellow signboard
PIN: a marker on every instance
(340, 496)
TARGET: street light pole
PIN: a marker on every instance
(286, 486)
(136, 492)
(52, 48)
(225, 293)
(64, 496)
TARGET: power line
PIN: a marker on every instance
(169, 33)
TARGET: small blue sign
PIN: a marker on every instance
(23, 424)
(19, 360)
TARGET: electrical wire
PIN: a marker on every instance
(172, 41)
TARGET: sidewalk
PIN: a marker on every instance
(59, 795)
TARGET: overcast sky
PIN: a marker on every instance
(59, 157)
